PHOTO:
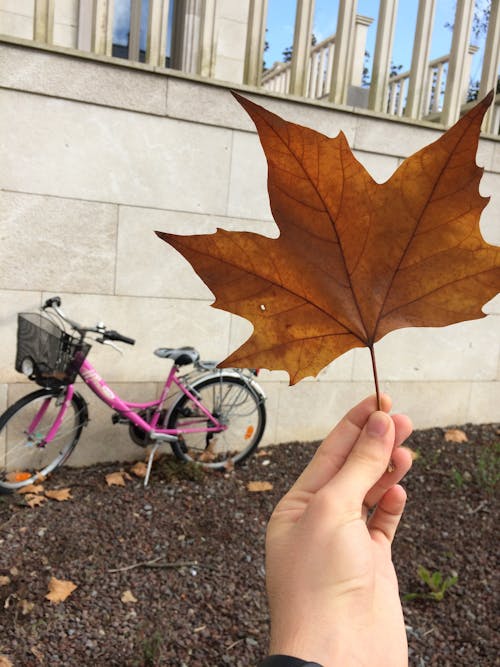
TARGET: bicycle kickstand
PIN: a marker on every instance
(150, 463)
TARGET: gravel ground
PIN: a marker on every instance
(174, 574)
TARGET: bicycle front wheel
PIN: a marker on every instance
(25, 456)
(236, 405)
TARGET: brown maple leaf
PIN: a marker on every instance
(59, 590)
(355, 259)
(59, 494)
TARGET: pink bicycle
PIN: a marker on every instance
(216, 421)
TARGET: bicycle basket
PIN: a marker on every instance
(52, 356)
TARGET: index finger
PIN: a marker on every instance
(335, 448)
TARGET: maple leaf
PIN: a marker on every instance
(355, 259)
(258, 486)
(127, 597)
(139, 469)
(59, 590)
(31, 488)
(59, 494)
(34, 500)
(117, 478)
(455, 435)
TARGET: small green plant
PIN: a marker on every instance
(435, 582)
(151, 648)
(169, 469)
(457, 478)
(487, 472)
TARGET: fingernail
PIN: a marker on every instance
(377, 424)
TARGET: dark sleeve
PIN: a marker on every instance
(286, 661)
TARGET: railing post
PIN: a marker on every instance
(342, 61)
(256, 31)
(491, 63)
(361, 25)
(301, 47)
(135, 30)
(457, 67)
(95, 27)
(207, 42)
(43, 21)
(157, 32)
(186, 36)
(420, 58)
(382, 58)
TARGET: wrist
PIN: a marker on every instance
(281, 660)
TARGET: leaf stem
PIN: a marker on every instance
(375, 376)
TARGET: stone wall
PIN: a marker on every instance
(97, 154)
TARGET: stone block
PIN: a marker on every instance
(380, 167)
(100, 154)
(43, 236)
(392, 137)
(12, 303)
(248, 196)
(309, 410)
(495, 160)
(490, 217)
(103, 441)
(205, 103)
(430, 404)
(484, 404)
(486, 153)
(82, 79)
(147, 266)
(457, 352)
(153, 323)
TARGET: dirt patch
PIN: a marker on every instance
(174, 574)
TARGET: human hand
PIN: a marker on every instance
(332, 588)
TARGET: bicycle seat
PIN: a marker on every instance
(181, 356)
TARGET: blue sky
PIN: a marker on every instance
(281, 17)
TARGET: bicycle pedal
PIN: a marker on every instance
(118, 419)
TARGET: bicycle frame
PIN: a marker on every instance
(128, 409)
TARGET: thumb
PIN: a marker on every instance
(367, 460)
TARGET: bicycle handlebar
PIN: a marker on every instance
(110, 334)
(114, 335)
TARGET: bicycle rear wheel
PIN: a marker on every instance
(24, 456)
(234, 403)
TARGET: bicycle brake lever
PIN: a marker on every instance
(108, 342)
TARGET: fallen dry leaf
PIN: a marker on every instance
(455, 435)
(26, 606)
(128, 596)
(259, 486)
(34, 500)
(59, 590)
(117, 478)
(31, 488)
(355, 259)
(4, 580)
(5, 662)
(139, 469)
(59, 494)
(14, 571)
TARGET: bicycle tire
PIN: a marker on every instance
(22, 462)
(232, 400)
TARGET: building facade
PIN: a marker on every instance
(98, 151)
